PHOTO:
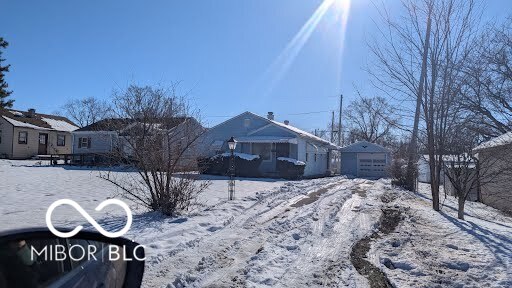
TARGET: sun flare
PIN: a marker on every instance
(285, 59)
(343, 5)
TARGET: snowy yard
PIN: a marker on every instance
(437, 249)
(281, 233)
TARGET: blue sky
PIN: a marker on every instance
(220, 51)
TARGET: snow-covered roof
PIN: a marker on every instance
(364, 147)
(303, 133)
(291, 160)
(294, 130)
(266, 139)
(33, 120)
(59, 125)
(448, 158)
(16, 113)
(17, 123)
(495, 142)
(245, 156)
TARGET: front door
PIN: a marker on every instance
(43, 144)
(282, 150)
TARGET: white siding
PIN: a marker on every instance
(6, 142)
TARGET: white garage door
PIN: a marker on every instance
(371, 164)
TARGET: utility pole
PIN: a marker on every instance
(332, 127)
(410, 177)
(339, 121)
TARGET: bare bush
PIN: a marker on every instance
(160, 142)
(398, 168)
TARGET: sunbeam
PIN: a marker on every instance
(280, 66)
(343, 9)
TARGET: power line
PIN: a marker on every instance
(305, 113)
(289, 114)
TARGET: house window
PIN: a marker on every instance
(61, 140)
(307, 156)
(0, 136)
(22, 137)
(262, 149)
(247, 122)
(84, 142)
(315, 157)
(43, 138)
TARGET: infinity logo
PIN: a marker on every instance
(88, 217)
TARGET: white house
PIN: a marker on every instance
(106, 136)
(424, 170)
(271, 139)
(24, 134)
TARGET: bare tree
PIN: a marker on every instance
(468, 172)
(371, 119)
(461, 172)
(422, 60)
(401, 65)
(461, 165)
(487, 90)
(161, 143)
(87, 110)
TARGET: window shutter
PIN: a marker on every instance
(89, 142)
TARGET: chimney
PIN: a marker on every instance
(286, 122)
(270, 116)
(31, 113)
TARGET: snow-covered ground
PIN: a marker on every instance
(272, 238)
(280, 233)
(27, 188)
(431, 249)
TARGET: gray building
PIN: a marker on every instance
(365, 159)
(99, 137)
(114, 137)
(495, 158)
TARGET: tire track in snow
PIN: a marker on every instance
(271, 243)
(271, 226)
(178, 267)
(326, 261)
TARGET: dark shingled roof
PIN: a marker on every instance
(118, 124)
(36, 120)
(110, 124)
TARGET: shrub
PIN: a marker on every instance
(398, 172)
(246, 165)
(289, 168)
(161, 140)
(211, 165)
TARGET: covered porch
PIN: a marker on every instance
(269, 148)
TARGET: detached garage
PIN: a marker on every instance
(365, 159)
